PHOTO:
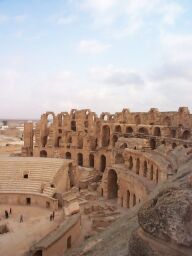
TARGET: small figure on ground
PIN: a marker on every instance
(21, 218)
(10, 211)
(6, 214)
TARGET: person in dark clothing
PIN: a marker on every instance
(21, 218)
(6, 214)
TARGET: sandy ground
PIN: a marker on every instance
(10, 145)
(21, 236)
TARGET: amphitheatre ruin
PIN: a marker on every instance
(117, 184)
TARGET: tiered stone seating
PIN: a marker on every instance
(20, 186)
(41, 172)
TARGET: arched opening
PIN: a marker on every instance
(128, 199)
(143, 130)
(44, 141)
(102, 163)
(129, 130)
(86, 124)
(152, 144)
(174, 145)
(112, 184)
(38, 253)
(119, 159)
(118, 128)
(73, 126)
(124, 145)
(50, 119)
(134, 199)
(145, 169)
(69, 242)
(80, 159)
(105, 136)
(43, 153)
(151, 173)
(157, 132)
(173, 133)
(58, 141)
(137, 166)
(186, 135)
(115, 139)
(91, 160)
(130, 163)
(68, 155)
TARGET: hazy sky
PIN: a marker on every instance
(100, 54)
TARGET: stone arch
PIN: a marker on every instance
(174, 145)
(123, 146)
(43, 153)
(152, 144)
(118, 129)
(157, 131)
(50, 116)
(129, 129)
(80, 159)
(59, 138)
(115, 139)
(39, 252)
(186, 135)
(102, 163)
(134, 199)
(105, 135)
(119, 159)
(128, 199)
(68, 155)
(73, 126)
(173, 133)
(91, 160)
(112, 184)
(143, 130)
(145, 169)
(44, 141)
(137, 166)
(130, 163)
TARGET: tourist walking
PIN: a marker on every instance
(21, 218)
(6, 214)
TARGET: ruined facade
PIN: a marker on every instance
(129, 151)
